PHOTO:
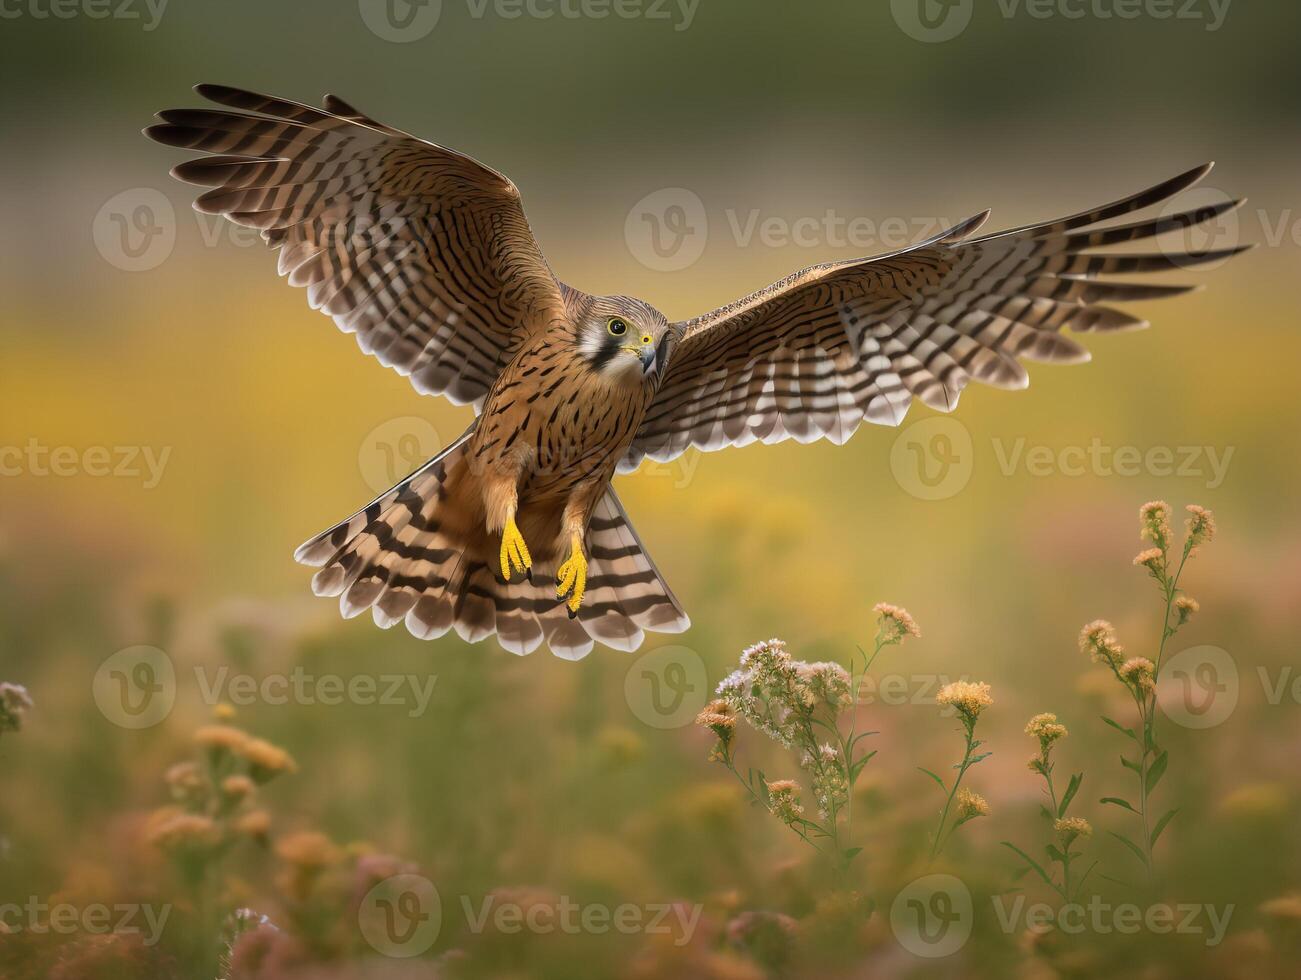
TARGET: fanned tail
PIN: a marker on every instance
(417, 553)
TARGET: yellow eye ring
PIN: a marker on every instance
(617, 326)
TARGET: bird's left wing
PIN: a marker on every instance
(422, 252)
(814, 355)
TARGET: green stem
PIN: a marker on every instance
(948, 803)
(727, 762)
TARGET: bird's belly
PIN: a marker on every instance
(575, 443)
(560, 435)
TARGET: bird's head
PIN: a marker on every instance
(623, 339)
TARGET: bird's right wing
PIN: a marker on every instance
(816, 354)
(422, 252)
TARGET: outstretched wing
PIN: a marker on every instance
(422, 252)
(814, 355)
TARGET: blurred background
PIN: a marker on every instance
(174, 421)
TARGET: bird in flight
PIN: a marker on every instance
(425, 255)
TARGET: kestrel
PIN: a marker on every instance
(514, 529)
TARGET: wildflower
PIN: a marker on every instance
(828, 682)
(895, 623)
(1153, 559)
(784, 800)
(223, 711)
(1098, 639)
(1201, 527)
(308, 849)
(767, 691)
(220, 738)
(1284, 907)
(1186, 606)
(1073, 827)
(15, 702)
(186, 782)
(1045, 728)
(970, 805)
(1155, 518)
(717, 716)
(830, 784)
(177, 830)
(1139, 673)
(970, 698)
(767, 657)
(265, 760)
(237, 787)
(255, 823)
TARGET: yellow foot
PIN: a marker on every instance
(571, 577)
(514, 552)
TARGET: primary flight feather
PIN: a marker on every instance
(426, 256)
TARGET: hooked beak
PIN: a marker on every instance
(645, 352)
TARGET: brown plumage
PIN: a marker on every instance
(427, 257)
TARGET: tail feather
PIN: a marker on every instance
(409, 557)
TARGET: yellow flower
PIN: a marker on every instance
(1046, 729)
(221, 738)
(1139, 672)
(717, 716)
(1072, 827)
(970, 698)
(237, 787)
(971, 805)
(308, 849)
(266, 760)
(255, 823)
(1153, 559)
(175, 829)
(223, 711)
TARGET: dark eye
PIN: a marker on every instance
(617, 326)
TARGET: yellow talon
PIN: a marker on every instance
(571, 577)
(514, 552)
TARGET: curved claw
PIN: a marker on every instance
(514, 552)
(571, 577)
